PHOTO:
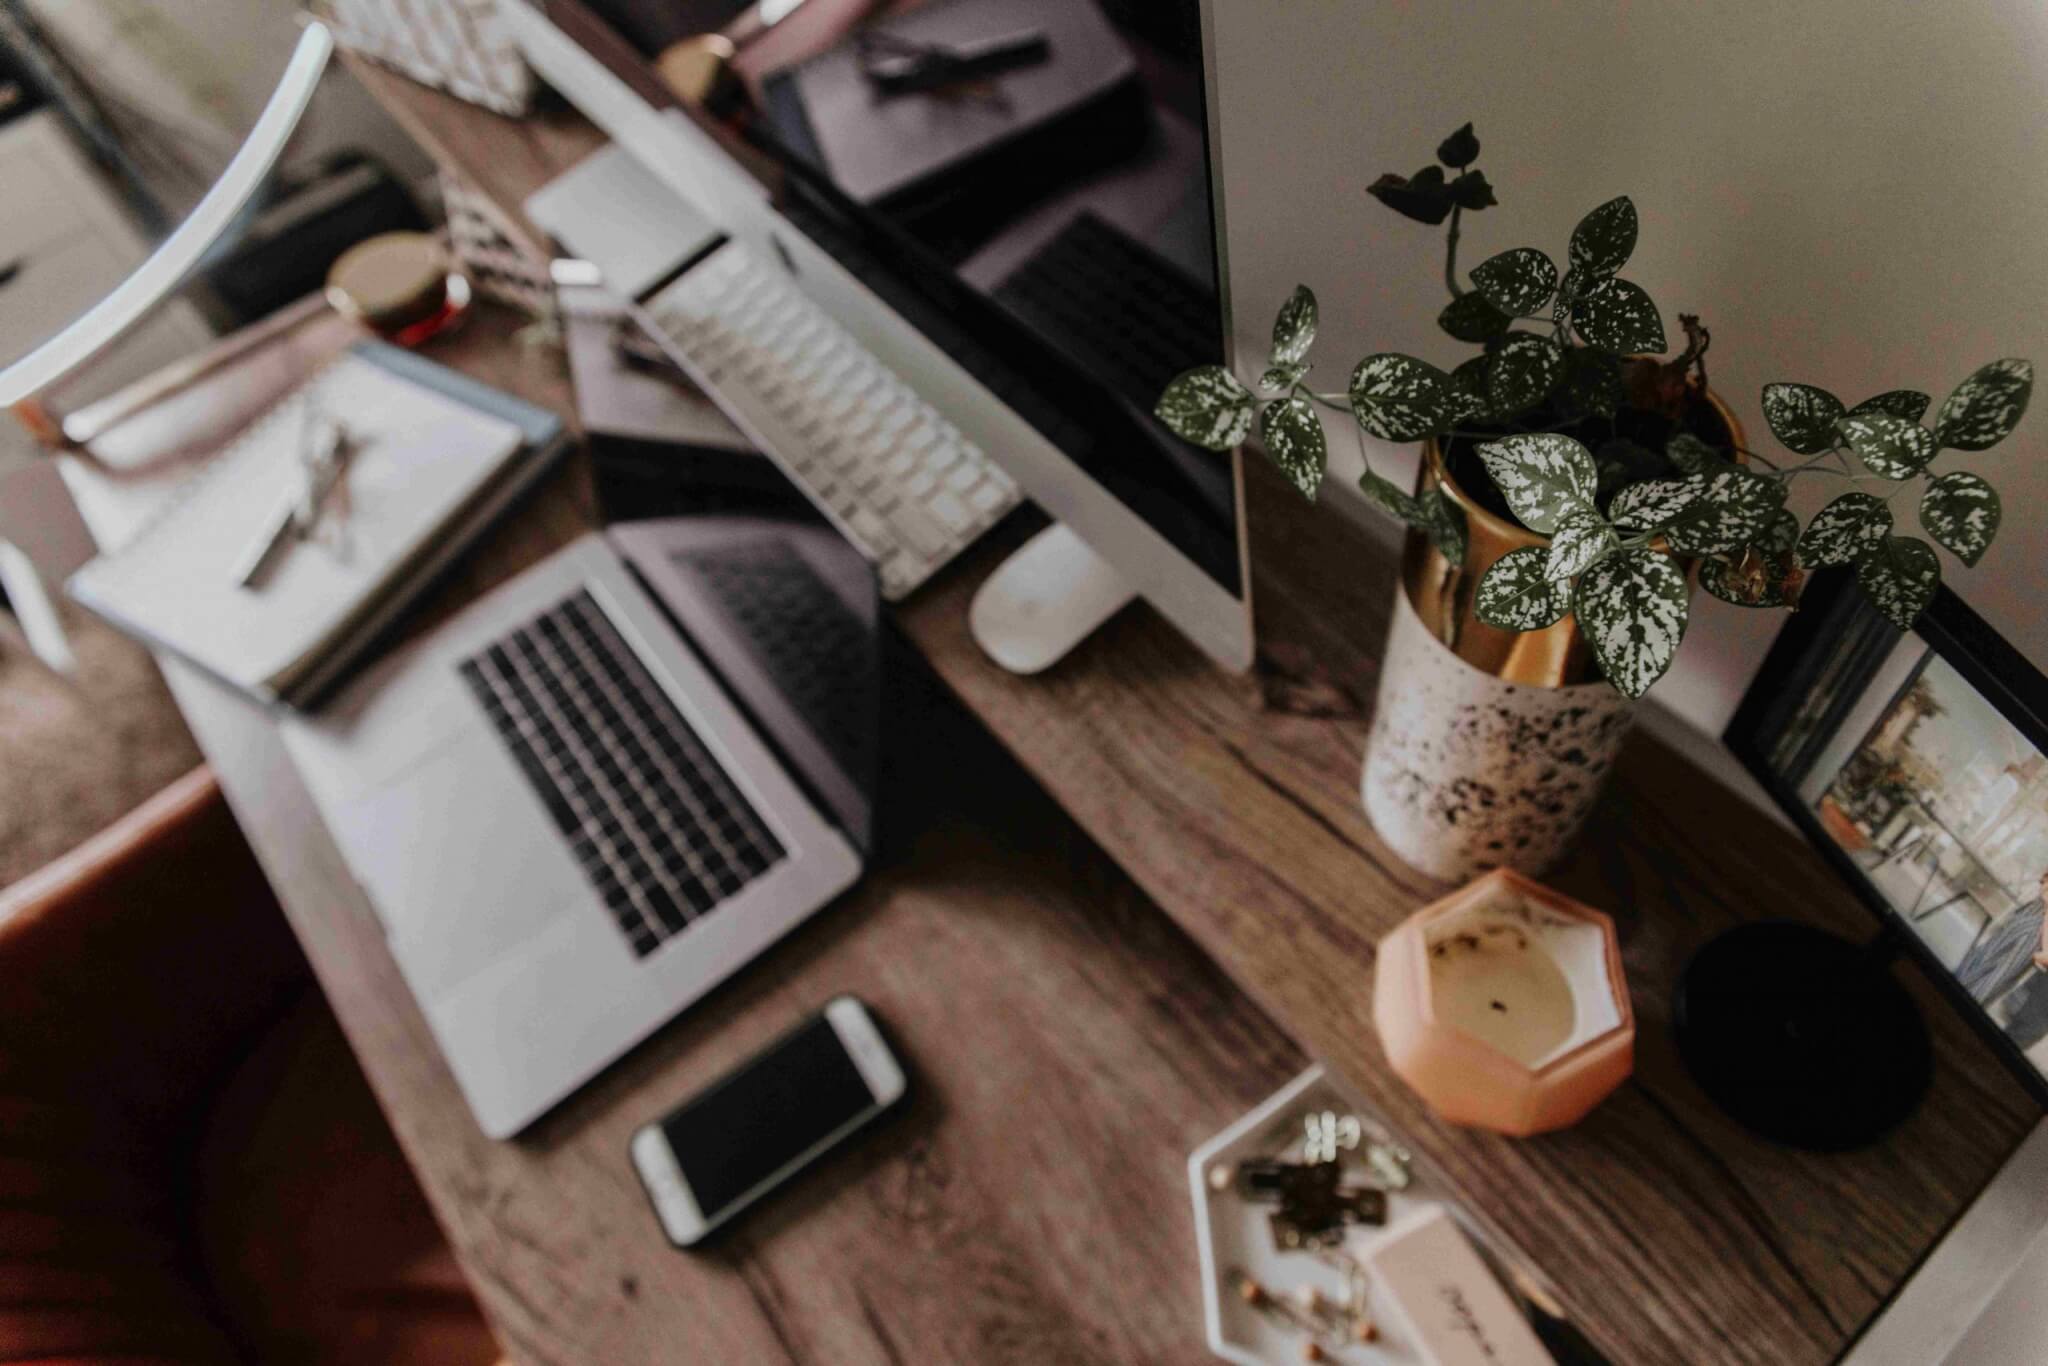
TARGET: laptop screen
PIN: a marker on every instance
(786, 613)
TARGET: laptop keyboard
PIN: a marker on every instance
(658, 827)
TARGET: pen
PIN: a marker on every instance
(258, 554)
(323, 453)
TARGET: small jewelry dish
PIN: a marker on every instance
(1271, 1298)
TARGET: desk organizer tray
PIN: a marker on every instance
(1237, 1241)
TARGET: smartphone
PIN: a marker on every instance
(766, 1120)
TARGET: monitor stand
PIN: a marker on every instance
(1803, 1036)
(1044, 600)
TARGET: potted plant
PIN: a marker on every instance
(1573, 486)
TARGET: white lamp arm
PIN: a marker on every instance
(168, 267)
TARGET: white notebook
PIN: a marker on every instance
(426, 470)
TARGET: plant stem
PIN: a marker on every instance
(1808, 464)
(1359, 433)
(1451, 254)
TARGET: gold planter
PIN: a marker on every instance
(1489, 748)
(1442, 593)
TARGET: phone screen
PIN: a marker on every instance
(765, 1116)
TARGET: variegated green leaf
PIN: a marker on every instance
(1632, 608)
(1399, 398)
(1516, 595)
(1652, 503)
(1582, 537)
(1591, 386)
(1443, 521)
(1388, 495)
(1759, 574)
(1424, 196)
(1542, 475)
(1985, 408)
(1842, 531)
(1523, 368)
(1206, 405)
(1281, 378)
(1802, 416)
(1622, 462)
(1459, 150)
(1617, 315)
(1780, 535)
(1470, 191)
(1888, 445)
(1900, 573)
(1690, 454)
(1733, 508)
(1516, 282)
(1961, 511)
(1470, 318)
(1293, 437)
(1910, 404)
(1605, 238)
(1294, 330)
(1468, 396)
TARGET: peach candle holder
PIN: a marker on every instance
(1504, 1006)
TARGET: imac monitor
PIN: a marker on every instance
(1011, 205)
(1917, 763)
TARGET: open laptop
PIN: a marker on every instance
(601, 789)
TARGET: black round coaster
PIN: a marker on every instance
(1802, 1036)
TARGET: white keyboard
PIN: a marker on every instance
(899, 480)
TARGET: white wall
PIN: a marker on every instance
(1853, 193)
(187, 78)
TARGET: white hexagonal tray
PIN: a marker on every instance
(1235, 1238)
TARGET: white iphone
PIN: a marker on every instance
(762, 1123)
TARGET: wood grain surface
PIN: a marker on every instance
(1675, 1236)
(1068, 1046)
(1073, 1043)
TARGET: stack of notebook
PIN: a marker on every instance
(434, 459)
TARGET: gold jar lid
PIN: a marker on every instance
(392, 281)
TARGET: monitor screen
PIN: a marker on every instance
(1029, 184)
(1918, 761)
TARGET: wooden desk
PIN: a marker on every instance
(1074, 1042)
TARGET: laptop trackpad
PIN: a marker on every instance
(460, 860)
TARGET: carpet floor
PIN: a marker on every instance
(78, 753)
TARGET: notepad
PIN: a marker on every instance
(432, 464)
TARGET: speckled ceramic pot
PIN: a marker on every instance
(1488, 747)
(1465, 771)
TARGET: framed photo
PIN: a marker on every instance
(1918, 763)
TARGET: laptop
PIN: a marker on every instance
(596, 793)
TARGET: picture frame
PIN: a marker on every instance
(1833, 728)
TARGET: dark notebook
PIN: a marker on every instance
(903, 151)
